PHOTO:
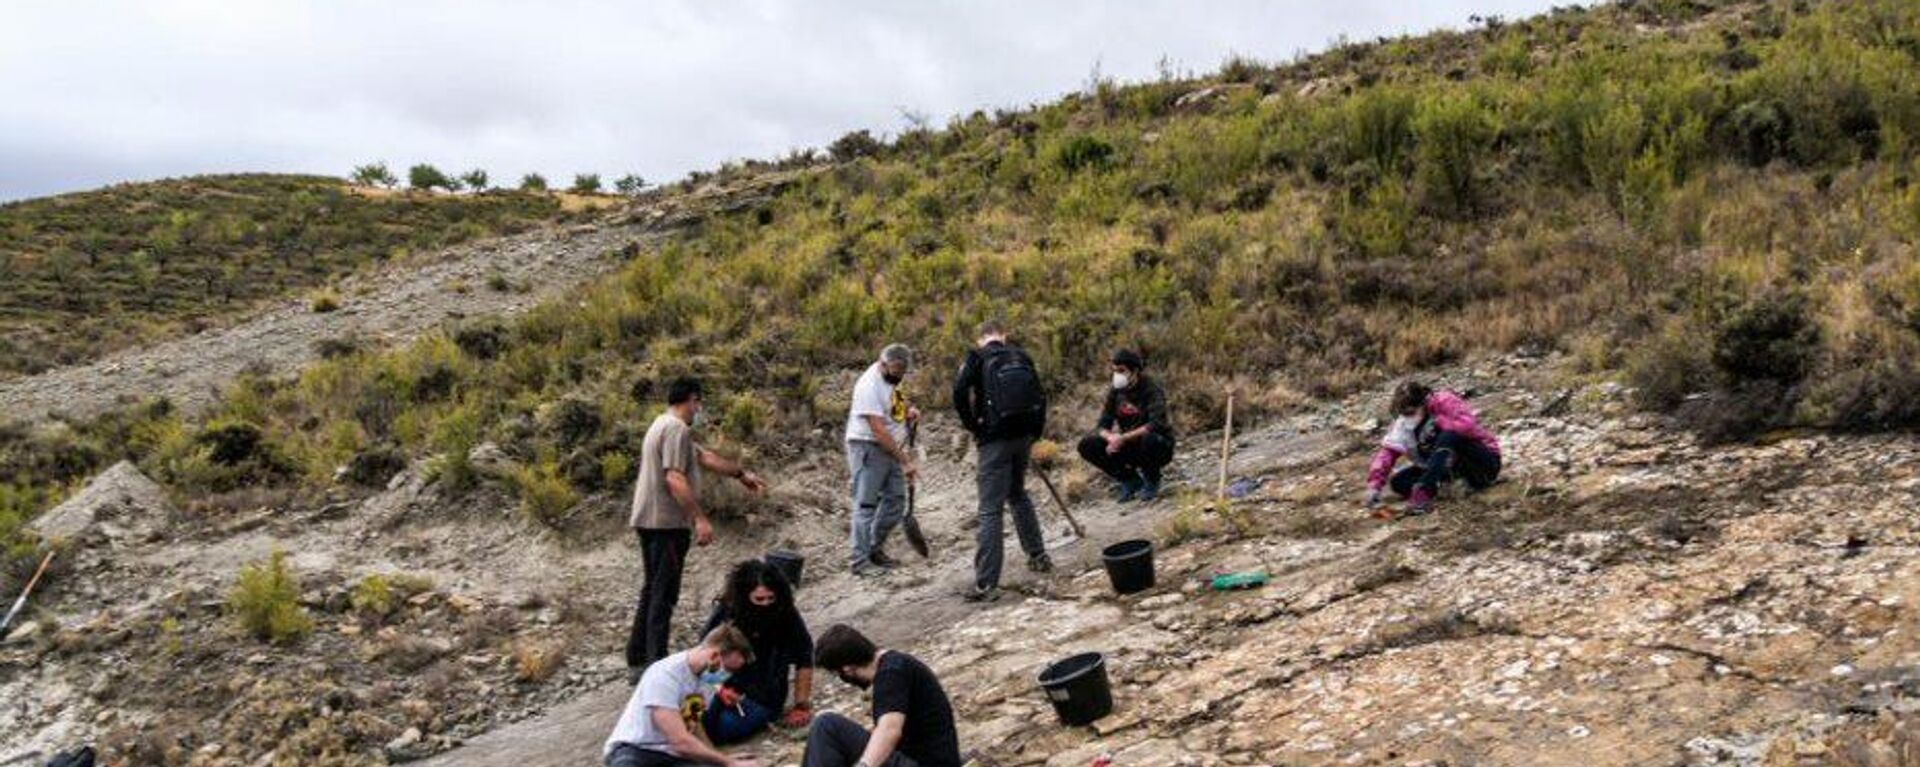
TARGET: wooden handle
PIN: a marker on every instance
(1226, 448)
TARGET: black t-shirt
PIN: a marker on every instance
(904, 685)
(778, 649)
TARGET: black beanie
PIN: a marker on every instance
(1129, 359)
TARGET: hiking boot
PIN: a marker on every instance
(881, 559)
(633, 675)
(1150, 491)
(977, 594)
(972, 522)
(1040, 564)
(1420, 502)
(1129, 490)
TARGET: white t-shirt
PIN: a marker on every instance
(872, 395)
(668, 684)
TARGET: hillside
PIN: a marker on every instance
(1672, 244)
(88, 273)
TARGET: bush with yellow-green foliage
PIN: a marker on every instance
(265, 601)
(1570, 176)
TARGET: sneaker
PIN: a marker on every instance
(1129, 490)
(1420, 502)
(880, 559)
(971, 522)
(868, 569)
(633, 676)
(1040, 564)
(1150, 491)
(977, 594)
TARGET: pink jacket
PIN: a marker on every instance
(1450, 413)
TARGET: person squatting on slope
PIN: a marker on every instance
(912, 717)
(759, 602)
(658, 726)
(1441, 436)
(877, 457)
(998, 397)
(668, 518)
(1135, 439)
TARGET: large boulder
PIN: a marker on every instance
(119, 492)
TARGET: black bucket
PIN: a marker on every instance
(1078, 689)
(1129, 565)
(789, 564)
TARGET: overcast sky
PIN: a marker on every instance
(93, 93)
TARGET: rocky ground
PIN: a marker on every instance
(1626, 596)
(495, 277)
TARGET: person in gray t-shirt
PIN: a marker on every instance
(668, 518)
(659, 726)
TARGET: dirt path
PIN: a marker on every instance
(389, 305)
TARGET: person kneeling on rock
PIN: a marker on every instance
(1136, 440)
(912, 718)
(658, 726)
(1441, 436)
(759, 601)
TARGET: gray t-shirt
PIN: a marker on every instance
(669, 445)
(668, 684)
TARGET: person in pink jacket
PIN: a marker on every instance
(1441, 438)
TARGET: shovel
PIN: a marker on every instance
(6, 625)
(1078, 531)
(909, 525)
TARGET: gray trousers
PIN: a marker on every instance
(879, 497)
(1001, 479)
(836, 741)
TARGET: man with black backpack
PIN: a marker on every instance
(999, 399)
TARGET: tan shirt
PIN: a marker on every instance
(669, 445)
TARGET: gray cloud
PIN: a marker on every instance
(100, 92)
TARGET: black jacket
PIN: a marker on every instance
(969, 400)
(1142, 403)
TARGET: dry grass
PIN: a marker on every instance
(537, 661)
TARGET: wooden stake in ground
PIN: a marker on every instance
(6, 626)
(1226, 451)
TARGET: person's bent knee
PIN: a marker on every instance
(825, 722)
(1092, 447)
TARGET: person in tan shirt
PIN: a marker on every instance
(668, 518)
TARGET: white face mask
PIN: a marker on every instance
(1122, 380)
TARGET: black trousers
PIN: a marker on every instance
(836, 741)
(1142, 458)
(1453, 456)
(663, 557)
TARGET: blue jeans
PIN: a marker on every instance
(725, 726)
(879, 497)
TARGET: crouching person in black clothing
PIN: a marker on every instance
(1135, 442)
(912, 718)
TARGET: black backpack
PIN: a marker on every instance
(1014, 397)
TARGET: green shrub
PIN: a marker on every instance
(616, 469)
(426, 178)
(1669, 367)
(533, 182)
(265, 601)
(374, 597)
(1452, 135)
(1770, 338)
(375, 466)
(585, 183)
(1081, 153)
(325, 301)
(545, 495)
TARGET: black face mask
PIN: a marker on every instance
(852, 681)
(892, 380)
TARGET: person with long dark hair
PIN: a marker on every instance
(759, 602)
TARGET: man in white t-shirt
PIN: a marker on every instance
(877, 456)
(658, 727)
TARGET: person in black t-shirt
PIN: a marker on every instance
(759, 601)
(1135, 441)
(912, 718)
